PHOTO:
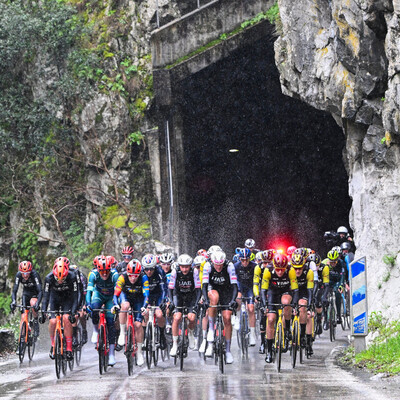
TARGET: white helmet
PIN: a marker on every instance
(198, 260)
(149, 261)
(185, 259)
(218, 257)
(342, 229)
(338, 249)
(212, 249)
(166, 258)
(250, 243)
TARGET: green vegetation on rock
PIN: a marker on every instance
(383, 354)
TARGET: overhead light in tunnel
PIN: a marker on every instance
(233, 150)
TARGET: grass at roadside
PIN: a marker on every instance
(383, 353)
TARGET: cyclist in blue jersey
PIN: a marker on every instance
(100, 290)
(158, 291)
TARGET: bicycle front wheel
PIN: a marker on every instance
(342, 314)
(22, 342)
(221, 348)
(57, 355)
(156, 345)
(101, 348)
(295, 334)
(332, 323)
(129, 350)
(244, 334)
(149, 344)
(31, 342)
(183, 343)
(78, 348)
(279, 344)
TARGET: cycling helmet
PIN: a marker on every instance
(301, 250)
(103, 265)
(345, 246)
(235, 258)
(342, 229)
(73, 266)
(60, 269)
(315, 258)
(250, 243)
(218, 257)
(25, 266)
(338, 249)
(290, 250)
(66, 260)
(202, 252)
(268, 255)
(95, 262)
(149, 261)
(134, 267)
(198, 260)
(185, 259)
(297, 261)
(259, 257)
(212, 249)
(280, 261)
(333, 255)
(127, 251)
(244, 253)
(112, 261)
(166, 258)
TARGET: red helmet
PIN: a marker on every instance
(127, 250)
(103, 265)
(280, 261)
(25, 266)
(112, 261)
(95, 262)
(290, 250)
(60, 268)
(134, 267)
(268, 255)
(202, 252)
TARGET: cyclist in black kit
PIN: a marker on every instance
(32, 290)
(61, 292)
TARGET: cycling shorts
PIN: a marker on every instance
(275, 297)
(225, 295)
(59, 301)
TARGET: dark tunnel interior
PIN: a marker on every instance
(287, 183)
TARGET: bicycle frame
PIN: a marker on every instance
(219, 343)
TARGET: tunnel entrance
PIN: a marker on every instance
(286, 184)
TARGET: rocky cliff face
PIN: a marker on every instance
(342, 56)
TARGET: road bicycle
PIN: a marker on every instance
(103, 346)
(183, 341)
(152, 340)
(27, 337)
(60, 344)
(219, 342)
(243, 334)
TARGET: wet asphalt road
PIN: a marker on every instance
(318, 378)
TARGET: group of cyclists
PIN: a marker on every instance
(263, 279)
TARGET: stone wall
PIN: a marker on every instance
(342, 56)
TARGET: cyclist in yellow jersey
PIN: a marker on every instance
(305, 280)
(266, 259)
(279, 285)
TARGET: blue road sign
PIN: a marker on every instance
(358, 296)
